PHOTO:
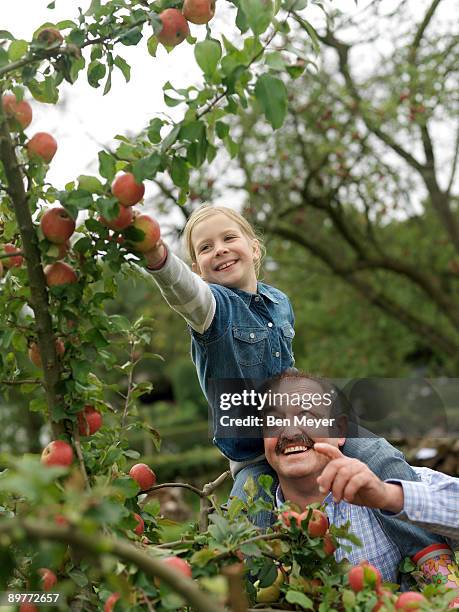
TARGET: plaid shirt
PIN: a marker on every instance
(432, 503)
(376, 547)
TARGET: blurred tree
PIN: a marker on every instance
(359, 189)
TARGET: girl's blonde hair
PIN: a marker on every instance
(207, 210)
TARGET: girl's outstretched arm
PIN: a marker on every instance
(182, 289)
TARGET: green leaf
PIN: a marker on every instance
(147, 167)
(96, 72)
(51, 5)
(123, 66)
(180, 172)
(17, 49)
(5, 35)
(171, 137)
(208, 54)
(222, 129)
(126, 486)
(172, 101)
(275, 60)
(258, 13)
(93, 7)
(312, 34)
(152, 45)
(4, 59)
(202, 557)
(90, 183)
(271, 93)
(154, 130)
(300, 599)
(44, 91)
(107, 165)
(132, 37)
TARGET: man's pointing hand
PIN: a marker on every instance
(353, 481)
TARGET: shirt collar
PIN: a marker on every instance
(262, 289)
(267, 292)
(280, 499)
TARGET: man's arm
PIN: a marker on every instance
(182, 289)
(432, 504)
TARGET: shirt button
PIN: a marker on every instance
(277, 354)
(257, 298)
(270, 324)
(252, 335)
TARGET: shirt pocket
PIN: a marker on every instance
(249, 345)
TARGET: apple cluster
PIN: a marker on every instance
(175, 22)
(316, 526)
(366, 576)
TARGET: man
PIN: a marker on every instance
(289, 441)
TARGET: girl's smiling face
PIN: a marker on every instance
(224, 253)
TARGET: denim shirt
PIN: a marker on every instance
(250, 337)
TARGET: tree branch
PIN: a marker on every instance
(384, 302)
(94, 545)
(420, 31)
(38, 291)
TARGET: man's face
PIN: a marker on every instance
(288, 446)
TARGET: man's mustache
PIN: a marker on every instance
(297, 440)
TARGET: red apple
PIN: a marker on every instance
(50, 36)
(198, 11)
(363, 575)
(48, 578)
(140, 524)
(175, 28)
(318, 523)
(287, 516)
(28, 607)
(58, 452)
(19, 112)
(42, 146)
(328, 544)
(12, 262)
(152, 232)
(120, 222)
(126, 190)
(89, 421)
(59, 273)
(410, 600)
(34, 352)
(143, 475)
(179, 565)
(61, 520)
(111, 601)
(57, 225)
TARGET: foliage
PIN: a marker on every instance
(86, 521)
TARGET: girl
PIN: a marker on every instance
(243, 329)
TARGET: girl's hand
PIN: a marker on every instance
(156, 254)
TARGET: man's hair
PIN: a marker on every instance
(340, 403)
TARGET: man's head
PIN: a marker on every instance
(300, 413)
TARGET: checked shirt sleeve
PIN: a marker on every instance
(185, 292)
(432, 503)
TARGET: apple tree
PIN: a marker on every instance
(79, 520)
